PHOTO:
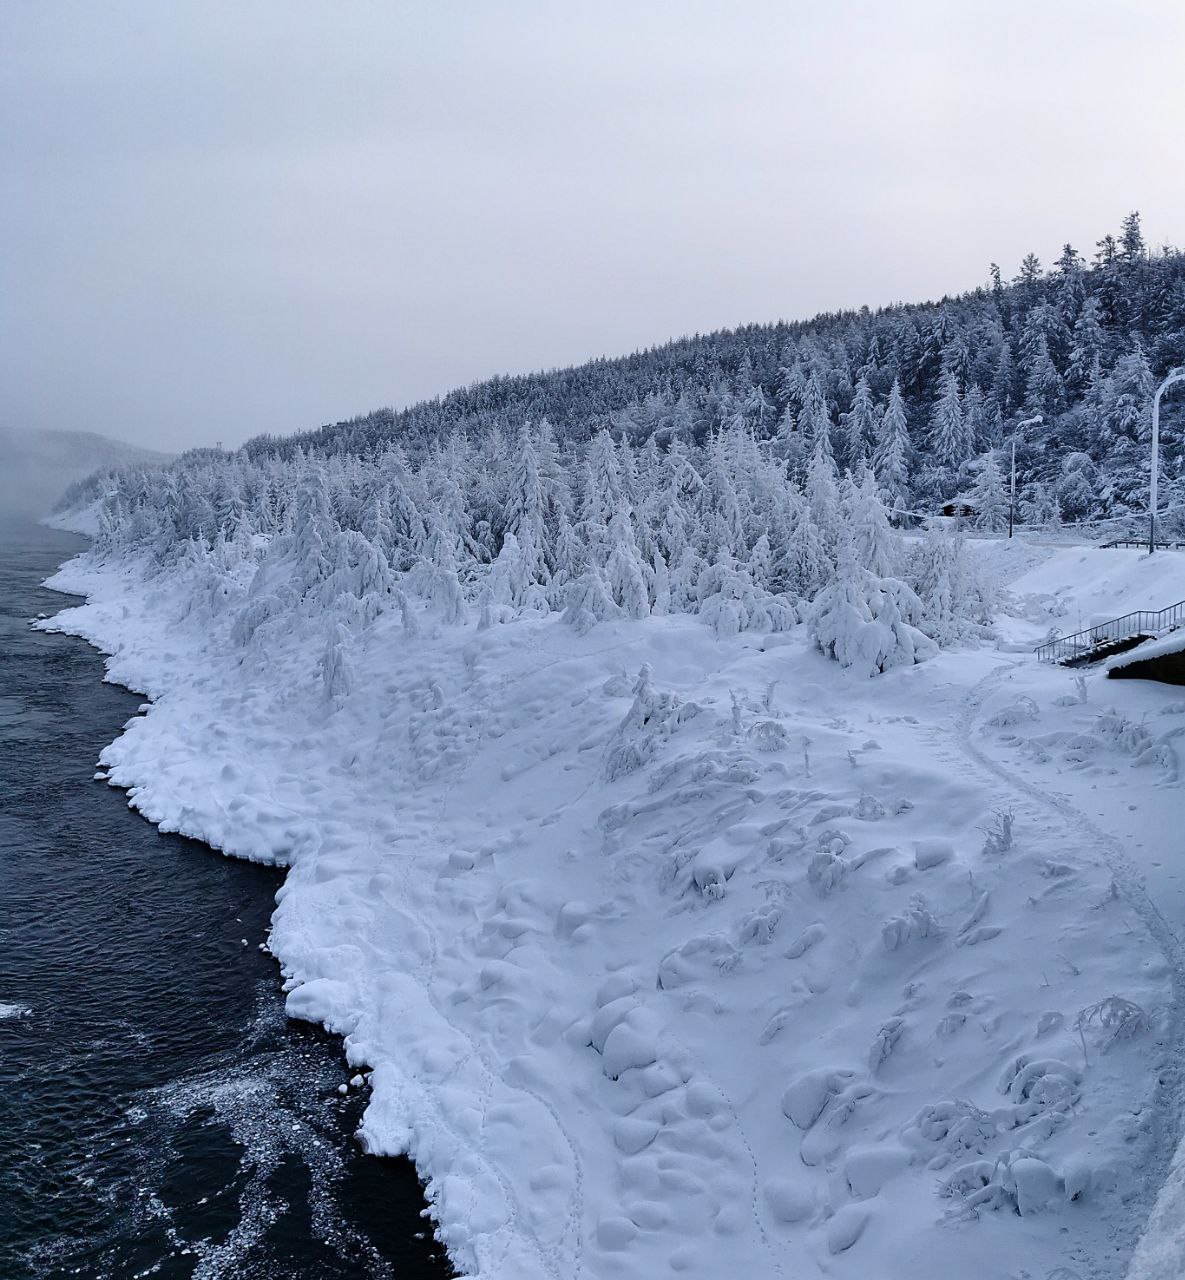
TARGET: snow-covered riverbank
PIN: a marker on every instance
(678, 954)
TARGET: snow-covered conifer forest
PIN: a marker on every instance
(714, 472)
(704, 876)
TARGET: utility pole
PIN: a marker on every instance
(1028, 422)
(1174, 375)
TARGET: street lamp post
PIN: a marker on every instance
(1028, 422)
(1174, 375)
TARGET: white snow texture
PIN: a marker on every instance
(678, 949)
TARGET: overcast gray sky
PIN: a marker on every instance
(224, 218)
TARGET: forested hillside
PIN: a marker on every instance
(742, 476)
(1079, 344)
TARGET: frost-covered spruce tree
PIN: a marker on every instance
(408, 531)
(684, 577)
(727, 526)
(313, 523)
(1127, 398)
(804, 564)
(989, 499)
(1038, 506)
(935, 576)
(603, 492)
(553, 474)
(893, 453)
(859, 427)
(875, 546)
(789, 442)
(1043, 384)
(376, 526)
(626, 581)
(444, 586)
(1086, 347)
(725, 595)
(1077, 489)
(957, 600)
(761, 564)
(660, 586)
(952, 445)
(822, 499)
(568, 558)
(977, 418)
(814, 421)
(510, 574)
(839, 613)
(524, 498)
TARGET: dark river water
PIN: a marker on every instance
(159, 1115)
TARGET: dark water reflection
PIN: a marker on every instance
(159, 1116)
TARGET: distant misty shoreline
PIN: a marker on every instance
(37, 467)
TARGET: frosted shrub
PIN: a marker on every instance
(1118, 1018)
(627, 586)
(588, 603)
(411, 624)
(253, 615)
(509, 574)
(336, 674)
(957, 599)
(449, 598)
(858, 621)
(997, 836)
(652, 717)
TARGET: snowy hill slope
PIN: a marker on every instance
(1105, 582)
(672, 954)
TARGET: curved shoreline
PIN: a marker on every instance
(136, 689)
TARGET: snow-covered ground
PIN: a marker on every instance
(670, 954)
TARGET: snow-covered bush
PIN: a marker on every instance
(957, 598)
(867, 622)
(588, 602)
(336, 673)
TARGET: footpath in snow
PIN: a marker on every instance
(670, 954)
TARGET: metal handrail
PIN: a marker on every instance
(1141, 622)
(1132, 542)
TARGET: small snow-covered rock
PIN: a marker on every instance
(631, 1135)
(615, 1234)
(788, 1202)
(1036, 1182)
(628, 1046)
(932, 853)
(811, 936)
(846, 1227)
(804, 1100)
(867, 1169)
